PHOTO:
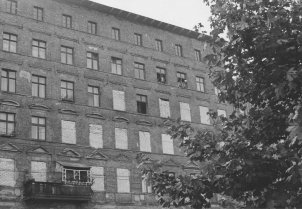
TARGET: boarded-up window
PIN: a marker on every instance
(167, 144)
(121, 138)
(221, 112)
(68, 132)
(164, 108)
(185, 112)
(38, 171)
(204, 117)
(144, 141)
(7, 172)
(96, 136)
(97, 174)
(119, 100)
(123, 180)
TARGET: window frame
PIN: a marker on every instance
(182, 81)
(138, 39)
(115, 64)
(9, 7)
(93, 95)
(120, 178)
(75, 180)
(200, 84)
(197, 55)
(39, 48)
(92, 27)
(139, 102)
(160, 76)
(10, 42)
(93, 59)
(159, 45)
(64, 51)
(38, 84)
(178, 50)
(6, 121)
(67, 21)
(39, 126)
(39, 13)
(9, 80)
(139, 71)
(67, 92)
(115, 34)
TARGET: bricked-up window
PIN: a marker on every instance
(9, 42)
(92, 60)
(197, 55)
(221, 113)
(204, 117)
(164, 108)
(39, 171)
(115, 34)
(93, 96)
(38, 128)
(159, 45)
(116, 65)
(139, 71)
(39, 13)
(123, 180)
(200, 84)
(96, 136)
(185, 111)
(68, 132)
(146, 185)
(161, 75)
(167, 144)
(144, 141)
(141, 102)
(67, 90)
(97, 174)
(138, 39)
(66, 55)
(67, 21)
(8, 80)
(182, 80)
(7, 172)
(39, 49)
(121, 138)
(7, 124)
(76, 176)
(178, 50)
(11, 6)
(92, 27)
(119, 100)
(38, 86)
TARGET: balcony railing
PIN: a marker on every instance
(56, 191)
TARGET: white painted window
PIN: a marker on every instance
(144, 141)
(68, 132)
(221, 112)
(97, 174)
(38, 171)
(185, 112)
(146, 186)
(204, 117)
(96, 136)
(119, 100)
(7, 172)
(167, 144)
(123, 180)
(121, 138)
(164, 108)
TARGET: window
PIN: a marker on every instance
(78, 176)
(67, 91)
(197, 55)
(204, 117)
(161, 75)
(39, 49)
(141, 101)
(8, 80)
(182, 80)
(123, 180)
(7, 124)
(66, 55)
(38, 13)
(97, 174)
(116, 65)
(115, 33)
(9, 42)
(38, 86)
(38, 128)
(144, 141)
(92, 27)
(67, 21)
(217, 91)
(11, 6)
(159, 45)
(200, 84)
(221, 113)
(121, 138)
(119, 100)
(167, 144)
(96, 136)
(185, 112)
(164, 108)
(138, 39)
(146, 185)
(7, 172)
(93, 96)
(139, 71)
(92, 60)
(178, 50)
(68, 132)
(38, 171)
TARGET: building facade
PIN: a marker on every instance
(84, 89)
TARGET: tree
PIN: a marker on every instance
(254, 155)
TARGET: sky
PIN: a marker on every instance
(183, 13)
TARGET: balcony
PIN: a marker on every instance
(56, 191)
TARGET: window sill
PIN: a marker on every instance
(9, 52)
(67, 101)
(39, 58)
(9, 93)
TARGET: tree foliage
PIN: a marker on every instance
(254, 155)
